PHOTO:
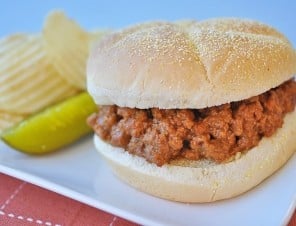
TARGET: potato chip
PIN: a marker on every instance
(8, 43)
(67, 47)
(28, 82)
(8, 120)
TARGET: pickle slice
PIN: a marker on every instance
(53, 128)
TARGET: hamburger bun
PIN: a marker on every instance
(193, 65)
(207, 63)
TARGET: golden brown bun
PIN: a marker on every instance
(203, 181)
(188, 65)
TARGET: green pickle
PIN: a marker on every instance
(53, 128)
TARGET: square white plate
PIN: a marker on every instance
(79, 173)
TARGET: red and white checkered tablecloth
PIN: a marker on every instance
(24, 204)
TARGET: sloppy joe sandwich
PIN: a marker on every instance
(194, 111)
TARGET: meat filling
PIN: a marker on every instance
(216, 133)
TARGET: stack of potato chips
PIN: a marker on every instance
(38, 70)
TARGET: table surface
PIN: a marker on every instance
(24, 204)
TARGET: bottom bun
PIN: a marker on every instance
(204, 181)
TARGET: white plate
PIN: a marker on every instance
(79, 172)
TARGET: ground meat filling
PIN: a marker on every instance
(215, 133)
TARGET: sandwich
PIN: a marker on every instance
(194, 111)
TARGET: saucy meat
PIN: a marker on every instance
(216, 133)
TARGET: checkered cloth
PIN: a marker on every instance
(24, 204)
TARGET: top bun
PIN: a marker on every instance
(188, 64)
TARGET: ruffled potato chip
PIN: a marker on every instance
(67, 46)
(28, 82)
